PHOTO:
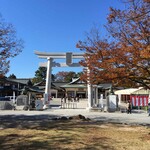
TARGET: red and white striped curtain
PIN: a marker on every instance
(139, 100)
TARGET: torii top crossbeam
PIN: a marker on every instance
(58, 55)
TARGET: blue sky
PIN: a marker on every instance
(52, 26)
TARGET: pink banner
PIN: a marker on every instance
(139, 100)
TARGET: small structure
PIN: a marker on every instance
(57, 91)
(112, 104)
(5, 103)
(9, 87)
(140, 97)
(124, 94)
(22, 102)
(137, 96)
(27, 100)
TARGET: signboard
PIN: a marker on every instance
(39, 105)
(112, 102)
(68, 58)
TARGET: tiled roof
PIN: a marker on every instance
(20, 80)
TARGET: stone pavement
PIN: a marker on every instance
(136, 118)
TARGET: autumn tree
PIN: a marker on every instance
(10, 45)
(124, 58)
(2, 76)
(65, 76)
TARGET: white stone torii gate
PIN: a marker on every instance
(49, 64)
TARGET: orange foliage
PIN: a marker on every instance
(125, 58)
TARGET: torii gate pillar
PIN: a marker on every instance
(48, 81)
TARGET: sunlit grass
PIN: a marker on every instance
(74, 135)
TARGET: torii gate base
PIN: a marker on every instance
(49, 64)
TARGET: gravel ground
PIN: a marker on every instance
(136, 118)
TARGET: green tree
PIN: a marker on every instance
(29, 83)
(40, 75)
(12, 76)
(36, 80)
(79, 74)
(10, 46)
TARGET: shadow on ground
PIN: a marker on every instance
(43, 132)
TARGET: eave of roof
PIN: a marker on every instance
(74, 81)
(20, 80)
(74, 86)
(126, 91)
